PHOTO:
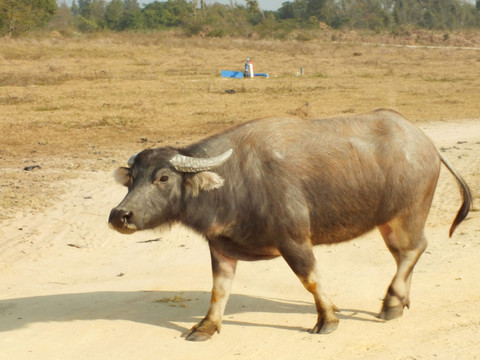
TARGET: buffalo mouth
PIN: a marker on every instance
(125, 228)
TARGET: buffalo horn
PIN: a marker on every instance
(191, 164)
(131, 160)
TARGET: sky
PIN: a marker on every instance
(264, 4)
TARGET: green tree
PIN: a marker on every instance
(316, 8)
(90, 15)
(63, 21)
(133, 17)
(433, 14)
(84, 8)
(166, 14)
(114, 14)
(17, 16)
(75, 10)
(287, 11)
(97, 12)
(254, 14)
(364, 14)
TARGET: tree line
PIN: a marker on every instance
(195, 17)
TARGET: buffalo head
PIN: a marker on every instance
(159, 181)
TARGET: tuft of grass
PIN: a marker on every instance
(17, 99)
(444, 79)
(366, 75)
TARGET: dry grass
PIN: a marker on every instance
(74, 105)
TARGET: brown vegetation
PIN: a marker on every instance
(64, 102)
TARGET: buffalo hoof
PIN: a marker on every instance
(324, 327)
(202, 331)
(390, 313)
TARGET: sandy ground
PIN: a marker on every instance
(71, 288)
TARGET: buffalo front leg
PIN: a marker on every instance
(301, 260)
(223, 269)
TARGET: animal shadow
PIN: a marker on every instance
(158, 308)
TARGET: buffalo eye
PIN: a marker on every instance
(160, 177)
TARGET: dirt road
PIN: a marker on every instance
(71, 288)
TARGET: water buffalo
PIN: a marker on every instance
(278, 186)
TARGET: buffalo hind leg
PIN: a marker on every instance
(223, 269)
(301, 260)
(406, 241)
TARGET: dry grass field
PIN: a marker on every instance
(79, 107)
(63, 101)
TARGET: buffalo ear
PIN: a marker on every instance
(203, 181)
(122, 176)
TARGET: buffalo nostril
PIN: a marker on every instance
(125, 216)
(119, 217)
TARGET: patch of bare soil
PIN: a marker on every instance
(73, 288)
